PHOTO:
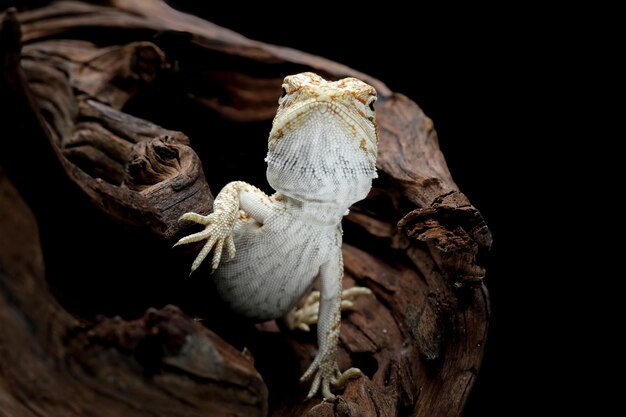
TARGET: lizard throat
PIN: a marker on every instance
(322, 110)
(322, 155)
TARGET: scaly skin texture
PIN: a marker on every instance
(321, 159)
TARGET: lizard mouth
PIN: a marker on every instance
(355, 123)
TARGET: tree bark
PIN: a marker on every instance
(98, 97)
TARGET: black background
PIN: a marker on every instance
(518, 98)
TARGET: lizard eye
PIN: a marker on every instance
(371, 103)
(284, 93)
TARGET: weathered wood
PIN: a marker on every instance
(84, 145)
(52, 364)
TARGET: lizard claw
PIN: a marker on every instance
(218, 232)
(326, 376)
(195, 217)
(302, 318)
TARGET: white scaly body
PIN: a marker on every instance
(321, 160)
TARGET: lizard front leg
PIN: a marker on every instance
(324, 370)
(220, 223)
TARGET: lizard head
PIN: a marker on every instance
(324, 139)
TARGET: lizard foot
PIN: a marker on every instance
(217, 232)
(326, 376)
(302, 318)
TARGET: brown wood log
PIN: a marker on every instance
(116, 112)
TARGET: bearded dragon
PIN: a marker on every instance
(321, 159)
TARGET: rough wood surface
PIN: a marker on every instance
(115, 112)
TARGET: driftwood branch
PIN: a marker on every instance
(115, 112)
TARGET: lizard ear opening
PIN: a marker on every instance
(284, 92)
(371, 102)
